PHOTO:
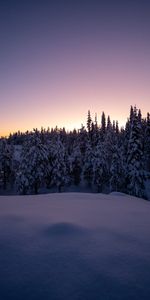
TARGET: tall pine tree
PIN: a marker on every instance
(135, 168)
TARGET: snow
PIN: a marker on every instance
(74, 246)
(17, 152)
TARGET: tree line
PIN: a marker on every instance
(103, 156)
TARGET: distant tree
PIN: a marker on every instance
(103, 124)
(135, 169)
(59, 167)
(89, 121)
(131, 115)
(33, 165)
(5, 162)
(88, 164)
(117, 128)
(147, 145)
(109, 141)
(117, 170)
(95, 133)
(100, 167)
(81, 138)
(114, 126)
(109, 125)
(75, 160)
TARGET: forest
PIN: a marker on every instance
(102, 156)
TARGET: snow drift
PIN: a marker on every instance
(74, 246)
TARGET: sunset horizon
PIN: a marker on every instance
(70, 126)
(60, 58)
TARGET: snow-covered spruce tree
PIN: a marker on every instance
(109, 141)
(72, 137)
(127, 132)
(33, 165)
(117, 170)
(88, 164)
(75, 161)
(103, 126)
(14, 164)
(94, 134)
(123, 144)
(5, 162)
(89, 122)
(131, 115)
(117, 128)
(48, 170)
(59, 166)
(126, 136)
(100, 167)
(109, 124)
(81, 139)
(51, 143)
(147, 145)
(135, 170)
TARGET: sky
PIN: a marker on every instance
(60, 58)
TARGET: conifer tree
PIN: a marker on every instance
(103, 123)
(89, 121)
(33, 165)
(100, 167)
(109, 141)
(135, 170)
(109, 125)
(59, 166)
(117, 170)
(147, 145)
(5, 162)
(76, 164)
(131, 115)
(82, 139)
(117, 128)
(88, 164)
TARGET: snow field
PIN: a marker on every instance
(74, 246)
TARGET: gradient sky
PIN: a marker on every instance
(60, 58)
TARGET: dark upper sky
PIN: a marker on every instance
(72, 54)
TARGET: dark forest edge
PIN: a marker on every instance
(103, 156)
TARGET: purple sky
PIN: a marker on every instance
(60, 58)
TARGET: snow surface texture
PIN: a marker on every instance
(74, 246)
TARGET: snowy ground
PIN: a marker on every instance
(74, 246)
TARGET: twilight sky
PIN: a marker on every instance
(60, 58)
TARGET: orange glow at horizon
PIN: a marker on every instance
(69, 122)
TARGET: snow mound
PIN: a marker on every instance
(62, 229)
